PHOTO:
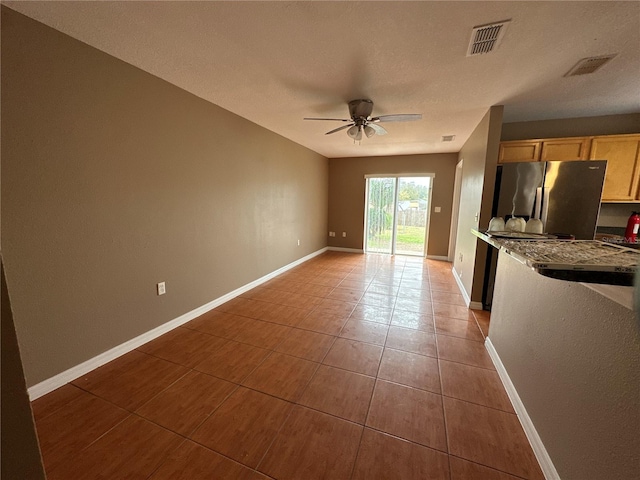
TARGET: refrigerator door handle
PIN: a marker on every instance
(545, 205)
(537, 209)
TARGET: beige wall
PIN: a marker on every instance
(574, 359)
(347, 191)
(572, 127)
(114, 180)
(480, 156)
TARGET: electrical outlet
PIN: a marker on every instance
(460, 257)
(298, 242)
(344, 234)
(437, 209)
(332, 234)
(162, 289)
(475, 217)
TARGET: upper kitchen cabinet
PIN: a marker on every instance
(574, 148)
(622, 153)
(519, 151)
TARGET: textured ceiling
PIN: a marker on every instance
(277, 62)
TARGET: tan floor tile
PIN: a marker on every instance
(53, 401)
(439, 286)
(464, 470)
(409, 413)
(233, 362)
(452, 311)
(324, 447)
(218, 323)
(135, 449)
(463, 351)
(382, 289)
(458, 328)
(385, 457)
(306, 344)
(324, 322)
(131, 380)
(489, 437)
(410, 369)
(447, 297)
(282, 376)
(335, 307)
(414, 305)
(371, 313)
(244, 426)
(474, 384)
(346, 294)
(415, 320)
(368, 332)
(301, 300)
(354, 356)
(422, 294)
(415, 283)
(65, 432)
(340, 393)
(414, 341)
(314, 290)
(187, 403)
(282, 314)
(262, 334)
(183, 346)
(378, 300)
(244, 307)
(191, 461)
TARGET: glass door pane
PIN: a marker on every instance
(381, 195)
(414, 194)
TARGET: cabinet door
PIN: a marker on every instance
(622, 153)
(526, 151)
(576, 148)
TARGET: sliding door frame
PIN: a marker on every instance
(397, 177)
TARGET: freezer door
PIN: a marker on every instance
(571, 198)
(517, 189)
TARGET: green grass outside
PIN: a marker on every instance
(404, 235)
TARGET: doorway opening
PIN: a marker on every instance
(397, 214)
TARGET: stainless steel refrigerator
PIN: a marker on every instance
(564, 195)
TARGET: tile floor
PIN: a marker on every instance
(346, 367)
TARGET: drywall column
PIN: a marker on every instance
(574, 359)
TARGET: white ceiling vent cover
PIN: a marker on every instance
(448, 138)
(486, 38)
(588, 65)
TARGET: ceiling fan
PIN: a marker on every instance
(363, 124)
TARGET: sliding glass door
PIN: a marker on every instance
(397, 214)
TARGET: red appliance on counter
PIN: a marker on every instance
(633, 225)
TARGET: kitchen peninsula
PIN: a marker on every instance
(569, 356)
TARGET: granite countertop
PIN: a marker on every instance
(587, 261)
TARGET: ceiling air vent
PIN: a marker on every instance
(448, 138)
(588, 65)
(486, 38)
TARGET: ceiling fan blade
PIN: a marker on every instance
(339, 128)
(377, 128)
(331, 119)
(403, 117)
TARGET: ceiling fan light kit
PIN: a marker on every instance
(362, 123)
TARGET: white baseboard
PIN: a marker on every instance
(438, 257)
(342, 249)
(476, 305)
(46, 386)
(464, 293)
(548, 469)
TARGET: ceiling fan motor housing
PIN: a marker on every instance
(361, 108)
